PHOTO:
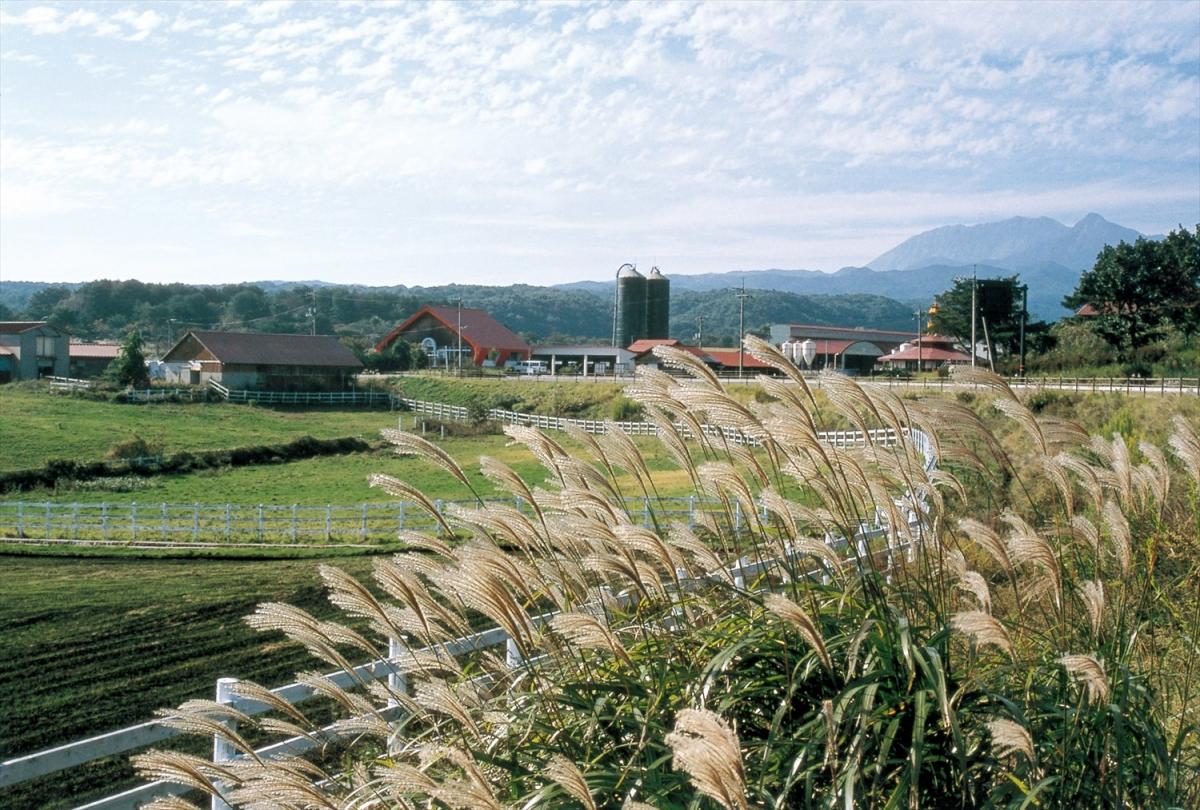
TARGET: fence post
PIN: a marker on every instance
(400, 507)
(48, 520)
(166, 524)
(512, 653)
(228, 521)
(646, 512)
(223, 750)
(397, 681)
(104, 521)
(328, 522)
(74, 520)
(362, 531)
(293, 523)
(691, 511)
(133, 522)
(737, 517)
(195, 521)
(260, 523)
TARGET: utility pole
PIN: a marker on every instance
(741, 297)
(919, 313)
(459, 352)
(699, 331)
(974, 270)
(1024, 314)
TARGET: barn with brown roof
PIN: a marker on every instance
(438, 330)
(247, 360)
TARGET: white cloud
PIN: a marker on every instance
(742, 120)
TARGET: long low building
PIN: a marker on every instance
(852, 350)
(253, 360)
(589, 359)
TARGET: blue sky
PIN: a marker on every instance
(428, 143)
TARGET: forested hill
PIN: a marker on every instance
(108, 309)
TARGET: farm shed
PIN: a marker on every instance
(32, 349)
(930, 352)
(437, 330)
(246, 360)
(90, 358)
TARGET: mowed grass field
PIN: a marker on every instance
(38, 427)
(88, 645)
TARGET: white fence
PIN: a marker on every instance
(744, 572)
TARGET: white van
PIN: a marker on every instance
(532, 367)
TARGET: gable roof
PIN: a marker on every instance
(17, 327)
(252, 348)
(479, 329)
(100, 349)
(728, 358)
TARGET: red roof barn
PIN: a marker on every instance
(481, 334)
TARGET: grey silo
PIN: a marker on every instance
(631, 306)
(658, 305)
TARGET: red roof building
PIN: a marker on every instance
(437, 329)
(930, 352)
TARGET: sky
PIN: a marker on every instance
(428, 143)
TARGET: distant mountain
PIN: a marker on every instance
(1048, 283)
(1047, 255)
(1014, 244)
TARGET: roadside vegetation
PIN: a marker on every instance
(1038, 649)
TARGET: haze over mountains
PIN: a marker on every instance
(1048, 255)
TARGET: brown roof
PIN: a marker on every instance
(251, 348)
(17, 327)
(932, 347)
(480, 330)
(729, 358)
(98, 349)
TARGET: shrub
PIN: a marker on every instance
(133, 447)
(1010, 662)
(624, 409)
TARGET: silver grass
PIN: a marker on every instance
(1122, 468)
(974, 583)
(170, 803)
(707, 749)
(184, 769)
(1118, 532)
(413, 445)
(983, 629)
(1088, 476)
(394, 486)
(1091, 593)
(256, 692)
(688, 363)
(980, 376)
(1013, 409)
(1185, 444)
(1089, 671)
(1010, 738)
(1083, 529)
(207, 718)
(567, 776)
(808, 630)
(1027, 546)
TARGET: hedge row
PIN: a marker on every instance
(184, 462)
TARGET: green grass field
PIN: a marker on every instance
(90, 645)
(38, 427)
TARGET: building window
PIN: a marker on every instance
(45, 346)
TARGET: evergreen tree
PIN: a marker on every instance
(129, 368)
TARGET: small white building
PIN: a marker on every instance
(589, 360)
